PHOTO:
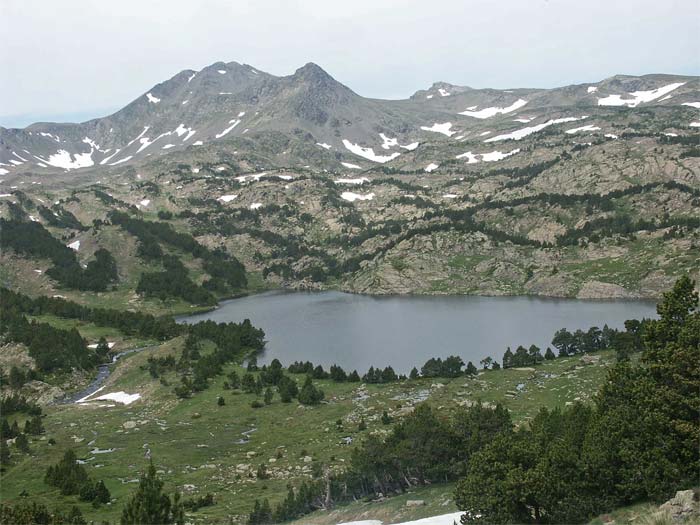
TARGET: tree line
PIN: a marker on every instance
(33, 240)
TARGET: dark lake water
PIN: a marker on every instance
(359, 331)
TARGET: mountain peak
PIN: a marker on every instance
(312, 71)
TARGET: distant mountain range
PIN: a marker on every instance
(310, 119)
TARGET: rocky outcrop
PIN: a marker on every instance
(601, 290)
(684, 507)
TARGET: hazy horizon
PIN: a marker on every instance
(80, 63)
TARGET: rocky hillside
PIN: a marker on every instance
(584, 191)
(309, 119)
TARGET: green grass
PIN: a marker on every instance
(194, 441)
(438, 500)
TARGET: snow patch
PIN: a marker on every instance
(360, 180)
(638, 97)
(234, 123)
(221, 71)
(182, 130)
(591, 89)
(63, 159)
(431, 167)
(443, 128)
(493, 156)
(411, 146)
(450, 196)
(324, 145)
(119, 397)
(524, 132)
(152, 99)
(125, 159)
(75, 246)
(695, 124)
(589, 127)
(388, 142)
(352, 197)
(227, 198)
(198, 143)
(351, 166)
(368, 153)
(493, 111)
(444, 93)
(54, 137)
(94, 345)
(692, 104)
(610, 136)
(255, 205)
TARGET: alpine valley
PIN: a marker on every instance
(229, 181)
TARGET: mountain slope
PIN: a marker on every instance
(326, 123)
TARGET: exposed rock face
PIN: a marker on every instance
(41, 393)
(684, 507)
(601, 290)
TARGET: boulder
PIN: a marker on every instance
(684, 507)
(415, 503)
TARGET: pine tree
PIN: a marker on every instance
(268, 396)
(508, 358)
(220, 401)
(22, 443)
(150, 505)
(414, 374)
(309, 394)
(4, 453)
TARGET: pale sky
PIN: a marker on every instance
(71, 60)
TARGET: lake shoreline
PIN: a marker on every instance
(357, 331)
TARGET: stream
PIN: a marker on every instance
(103, 372)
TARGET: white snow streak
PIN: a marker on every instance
(589, 127)
(152, 99)
(234, 123)
(493, 111)
(351, 166)
(638, 97)
(524, 132)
